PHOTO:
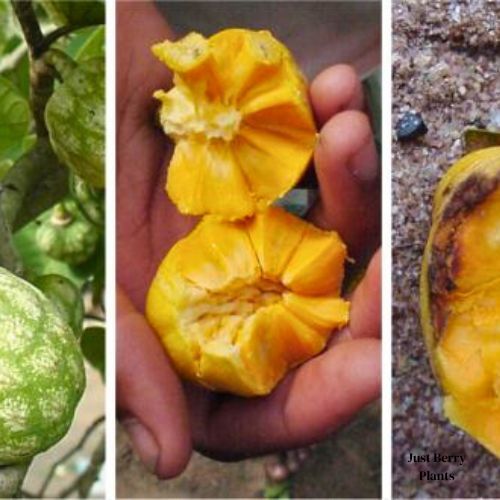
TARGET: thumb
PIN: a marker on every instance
(151, 403)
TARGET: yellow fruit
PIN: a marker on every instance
(460, 294)
(236, 309)
(240, 118)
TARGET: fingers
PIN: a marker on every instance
(139, 26)
(365, 318)
(336, 89)
(365, 315)
(315, 400)
(150, 399)
(347, 168)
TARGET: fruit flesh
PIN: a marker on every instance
(225, 316)
(240, 118)
(468, 354)
(464, 291)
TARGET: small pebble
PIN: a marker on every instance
(410, 126)
(292, 464)
(495, 118)
(276, 472)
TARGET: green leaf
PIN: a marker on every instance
(75, 12)
(10, 35)
(15, 67)
(478, 138)
(93, 345)
(5, 167)
(372, 85)
(15, 120)
(281, 489)
(75, 42)
(93, 45)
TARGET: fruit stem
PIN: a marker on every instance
(61, 216)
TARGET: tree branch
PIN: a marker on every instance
(11, 479)
(41, 76)
(53, 36)
(33, 35)
(90, 430)
(84, 482)
(35, 183)
(8, 255)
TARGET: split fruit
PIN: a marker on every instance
(460, 294)
(240, 118)
(236, 309)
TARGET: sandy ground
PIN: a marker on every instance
(347, 465)
(91, 407)
(446, 66)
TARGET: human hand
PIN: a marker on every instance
(164, 417)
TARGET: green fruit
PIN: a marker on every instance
(66, 297)
(67, 235)
(42, 375)
(75, 116)
(90, 200)
(75, 12)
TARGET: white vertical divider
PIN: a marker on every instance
(386, 250)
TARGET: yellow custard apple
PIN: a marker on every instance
(240, 119)
(460, 294)
(236, 309)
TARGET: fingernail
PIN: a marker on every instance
(364, 165)
(143, 442)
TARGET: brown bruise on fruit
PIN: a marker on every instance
(240, 117)
(447, 251)
(461, 295)
(226, 315)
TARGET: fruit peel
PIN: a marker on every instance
(42, 376)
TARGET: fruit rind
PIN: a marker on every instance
(75, 116)
(42, 376)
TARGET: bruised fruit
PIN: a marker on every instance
(236, 309)
(240, 118)
(42, 376)
(460, 294)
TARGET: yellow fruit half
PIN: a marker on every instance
(238, 304)
(460, 294)
(240, 117)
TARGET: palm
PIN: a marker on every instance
(318, 396)
(148, 223)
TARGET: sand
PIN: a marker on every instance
(445, 66)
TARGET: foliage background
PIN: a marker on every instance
(43, 182)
